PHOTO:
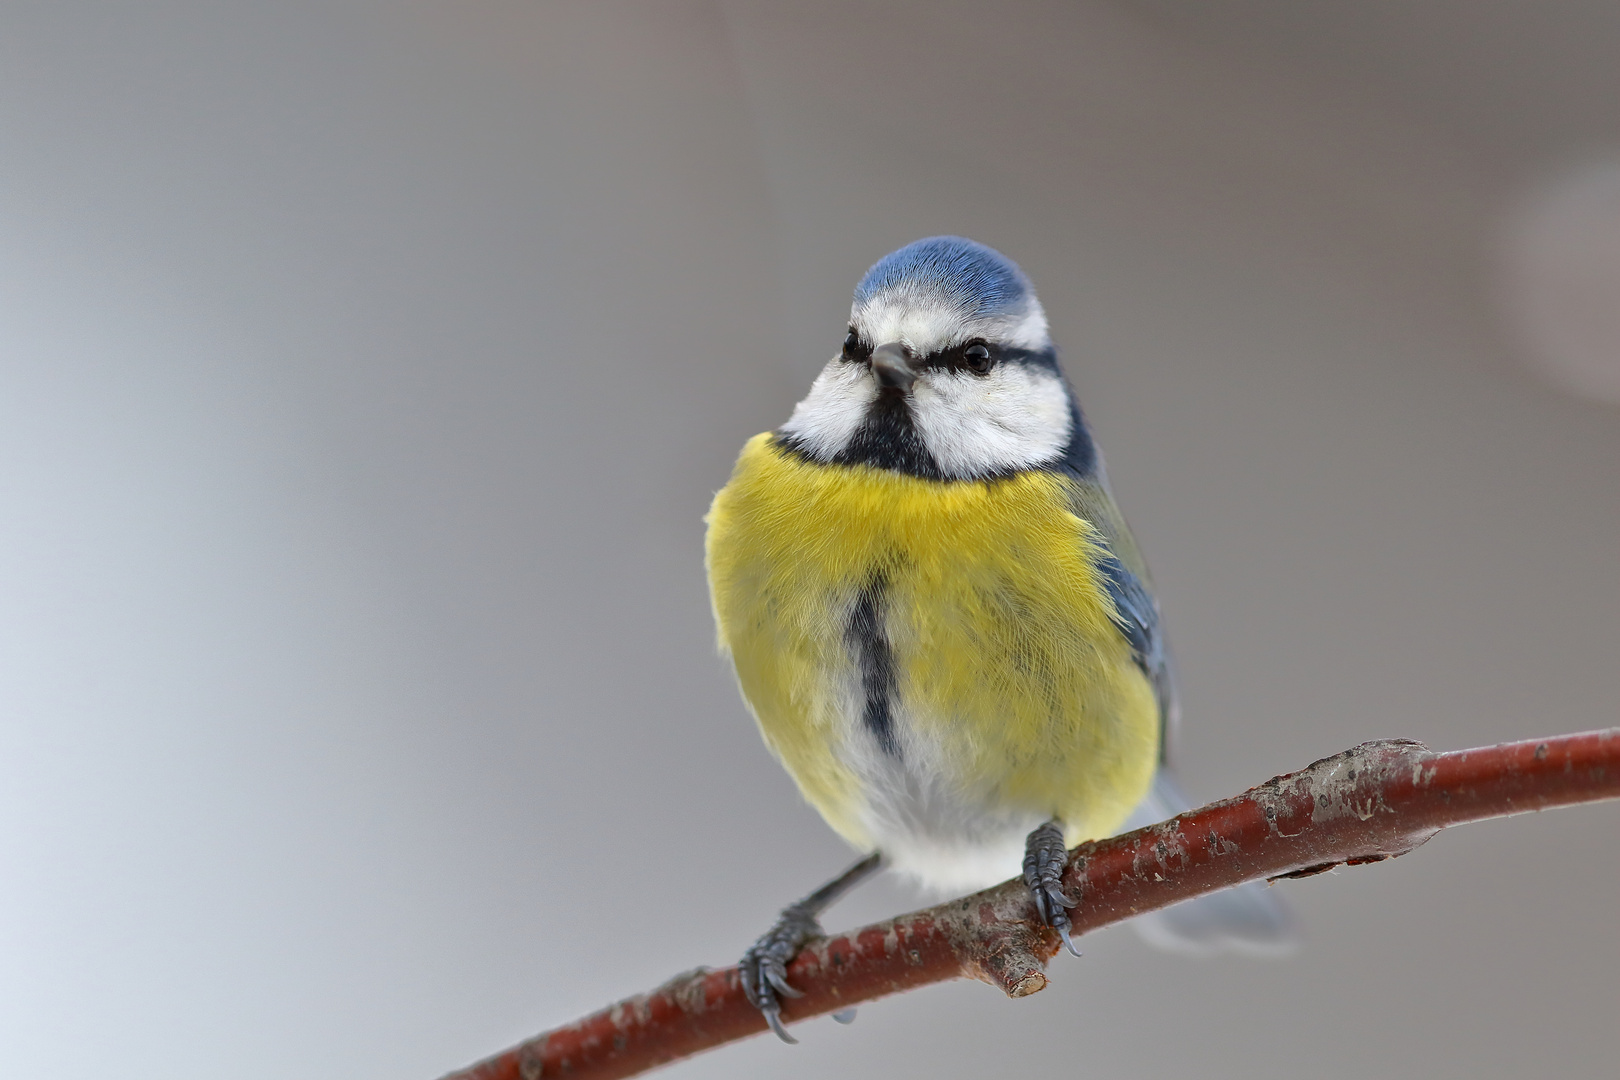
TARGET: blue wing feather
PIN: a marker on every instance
(1136, 614)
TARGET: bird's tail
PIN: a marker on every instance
(1249, 919)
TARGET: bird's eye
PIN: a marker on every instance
(978, 358)
(852, 345)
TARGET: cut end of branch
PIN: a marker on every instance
(1032, 983)
(1018, 972)
(999, 944)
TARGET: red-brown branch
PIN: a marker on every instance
(1374, 802)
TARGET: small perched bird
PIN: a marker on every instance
(938, 616)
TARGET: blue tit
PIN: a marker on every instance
(937, 614)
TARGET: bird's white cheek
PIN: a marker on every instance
(1013, 419)
(828, 417)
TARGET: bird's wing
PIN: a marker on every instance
(1247, 919)
(1136, 611)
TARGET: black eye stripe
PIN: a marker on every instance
(978, 357)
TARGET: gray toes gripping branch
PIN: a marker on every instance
(1044, 860)
(764, 966)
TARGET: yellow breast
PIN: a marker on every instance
(1011, 677)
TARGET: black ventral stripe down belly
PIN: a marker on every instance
(875, 659)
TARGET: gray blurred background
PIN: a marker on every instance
(366, 370)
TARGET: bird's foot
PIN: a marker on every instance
(764, 965)
(1045, 858)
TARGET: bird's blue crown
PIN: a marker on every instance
(973, 280)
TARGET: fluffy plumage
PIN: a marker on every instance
(934, 607)
(1012, 698)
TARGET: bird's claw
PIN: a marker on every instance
(764, 965)
(1045, 858)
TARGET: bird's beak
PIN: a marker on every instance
(893, 370)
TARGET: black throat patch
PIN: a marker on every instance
(887, 439)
